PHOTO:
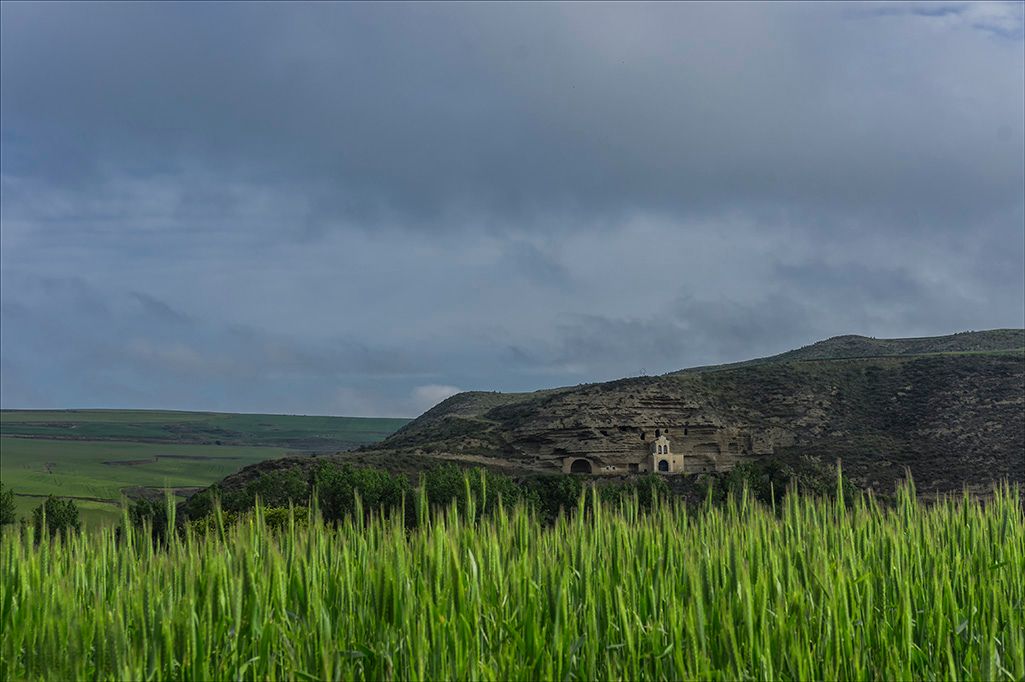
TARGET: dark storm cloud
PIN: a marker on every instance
(338, 207)
(430, 112)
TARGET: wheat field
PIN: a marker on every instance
(814, 589)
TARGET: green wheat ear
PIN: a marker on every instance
(812, 589)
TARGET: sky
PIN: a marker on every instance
(360, 209)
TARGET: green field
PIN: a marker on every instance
(94, 456)
(34, 468)
(811, 590)
(298, 432)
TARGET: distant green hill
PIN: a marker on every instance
(159, 426)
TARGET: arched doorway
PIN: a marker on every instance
(663, 465)
(580, 466)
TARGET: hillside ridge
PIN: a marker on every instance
(950, 410)
(849, 346)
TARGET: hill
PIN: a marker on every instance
(299, 432)
(854, 346)
(950, 409)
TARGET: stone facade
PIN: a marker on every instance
(687, 449)
(661, 458)
(590, 465)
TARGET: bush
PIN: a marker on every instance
(204, 525)
(275, 489)
(443, 484)
(337, 488)
(7, 513)
(556, 494)
(770, 480)
(143, 511)
(279, 489)
(648, 489)
(274, 518)
(448, 483)
(61, 516)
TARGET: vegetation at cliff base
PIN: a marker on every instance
(814, 588)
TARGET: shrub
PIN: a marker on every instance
(7, 513)
(279, 488)
(338, 487)
(769, 480)
(277, 518)
(145, 511)
(208, 523)
(448, 483)
(648, 489)
(60, 516)
(555, 494)
(274, 518)
(275, 489)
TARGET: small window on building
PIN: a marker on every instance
(634, 468)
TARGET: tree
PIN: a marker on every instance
(7, 514)
(61, 516)
(143, 510)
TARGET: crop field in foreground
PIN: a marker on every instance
(811, 590)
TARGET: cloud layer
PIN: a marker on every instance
(354, 208)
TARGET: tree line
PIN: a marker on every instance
(339, 491)
(58, 515)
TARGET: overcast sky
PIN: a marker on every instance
(359, 209)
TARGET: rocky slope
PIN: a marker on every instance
(950, 409)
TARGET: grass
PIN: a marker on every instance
(34, 468)
(812, 590)
(63, 452)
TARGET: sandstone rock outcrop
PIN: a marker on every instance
(950, 417)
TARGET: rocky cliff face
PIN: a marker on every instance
(952, 417)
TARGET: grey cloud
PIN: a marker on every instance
(328, 207)
(432, 113)
(67, 348)
(1002, 19)
(689, 332)
(159, 309)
